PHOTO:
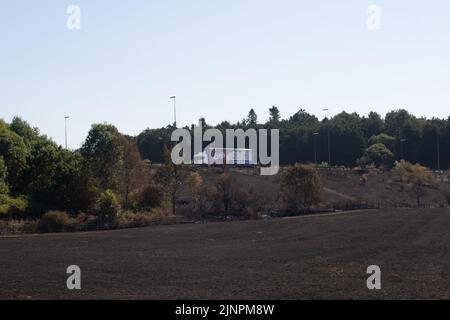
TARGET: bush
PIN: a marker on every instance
(377, 154)
(4, 189)
(54, 221)
(222, 193)
(385, 139)
(301, 187)
(146, 199)
(415, 177)
(12, 206)
(139, 219)
(195, 181)
(18, 226)
(243, 204)
(107, 207)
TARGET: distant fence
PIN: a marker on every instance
(383, 204)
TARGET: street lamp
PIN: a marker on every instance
(65, 129)
(438, 151)
(328, 133)
(315, 134)
(174, 98)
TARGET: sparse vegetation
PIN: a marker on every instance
(195, 181)
(113, 173)
(222, 193)
(148, 198)
(54, 221)
(417, 179)
(170, 178)
(301, 187)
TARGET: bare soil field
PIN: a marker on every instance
(310, 257)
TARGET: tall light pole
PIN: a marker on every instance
(315, 134)
(65, 129)
(328, 133)
(438, 150)
(174, 98)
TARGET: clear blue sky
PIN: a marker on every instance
(220, 58)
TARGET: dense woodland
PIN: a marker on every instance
(350, 136)
(112, 170)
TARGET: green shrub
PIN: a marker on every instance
(54, 221)
(377, 154)
(107, 207)
(14, 206)
(4, 189)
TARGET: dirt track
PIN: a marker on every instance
(297, 258)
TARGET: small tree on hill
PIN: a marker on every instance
(108, 206)
(132, 171)
(223, 192)
(301, 187)
(416, 177)
(195, 181)
(377, 154)
(170, 177)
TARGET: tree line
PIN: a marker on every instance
(112, 170)
(105, 174)
(346, 139)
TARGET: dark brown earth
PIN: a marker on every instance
(314, 257)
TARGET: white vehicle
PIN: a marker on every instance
(229, 156)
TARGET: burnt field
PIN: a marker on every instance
(324, 256)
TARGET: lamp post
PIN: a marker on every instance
(438, 151)
(328, 133)
(65, 129)
(315, 134)
(174, 98)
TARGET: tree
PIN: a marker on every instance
(4, 188)
(132, 171)
(385, 139)
(108, 206)
(55, 179)
(395, 122)
(15, 154)
(252, 118)
(416, 177)
(49, 177)
(170, 177)
(194, 181)
(433, 140)
(347, 138)
(8, 204)
(274, 115)
(377, 154)
(373, 125)
(24, 130)
(304, 119)
(151, 143)
(103, 152)
(223, 194)
(301, 187)
(147, 198)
